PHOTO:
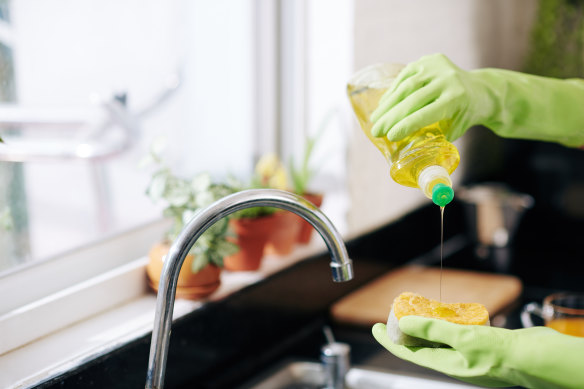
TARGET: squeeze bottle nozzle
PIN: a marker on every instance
(442, 194)
(436, 184)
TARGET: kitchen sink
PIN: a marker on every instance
(310, 375)
(292, 375)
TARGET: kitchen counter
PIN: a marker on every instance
(227, 342)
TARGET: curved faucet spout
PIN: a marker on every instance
(341, 265)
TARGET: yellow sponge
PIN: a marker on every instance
(413, 304)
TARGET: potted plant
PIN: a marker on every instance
(200, 272)
(271, 173)
(252, 227)
(255, 227)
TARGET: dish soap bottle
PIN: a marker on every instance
(424, 159)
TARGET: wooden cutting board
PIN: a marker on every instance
(371, 303)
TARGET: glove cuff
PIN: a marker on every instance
(525, 106)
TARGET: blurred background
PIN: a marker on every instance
(87, 87)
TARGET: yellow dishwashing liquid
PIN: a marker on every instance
(425, 159)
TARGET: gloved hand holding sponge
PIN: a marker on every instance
(512, 104)
(536, 358)
(457, 340)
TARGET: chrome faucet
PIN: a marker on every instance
(341, 265)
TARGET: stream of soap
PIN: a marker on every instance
(441, 247)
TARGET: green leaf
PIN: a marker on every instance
(303, 175)
(186, 197)
(187, 215)
(201, 183)
(204, 199)
(177, 193)
(157, 185)
(254, 212)
(218, 229)
(299, 182)
(225, 248)
(174, 231)
(199, 262)
(203, 244)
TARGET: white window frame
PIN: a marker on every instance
(66, 283)
(114, 266)
(65, 279)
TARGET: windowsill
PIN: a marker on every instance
(69, 347)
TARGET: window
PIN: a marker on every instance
(87, 87)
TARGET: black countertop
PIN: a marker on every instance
(225, 343)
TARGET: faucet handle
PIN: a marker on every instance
(335, 358)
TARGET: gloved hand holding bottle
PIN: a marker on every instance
(424, 159)
(512, 104)
(537, 357)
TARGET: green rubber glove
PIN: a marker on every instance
(537, 357)
(512, 104)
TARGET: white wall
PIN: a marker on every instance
(473, 33)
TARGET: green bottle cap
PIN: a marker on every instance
(442, 194)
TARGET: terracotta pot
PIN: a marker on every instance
(306, 229)
(190, 285)
(252, 236)
(283, 237)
